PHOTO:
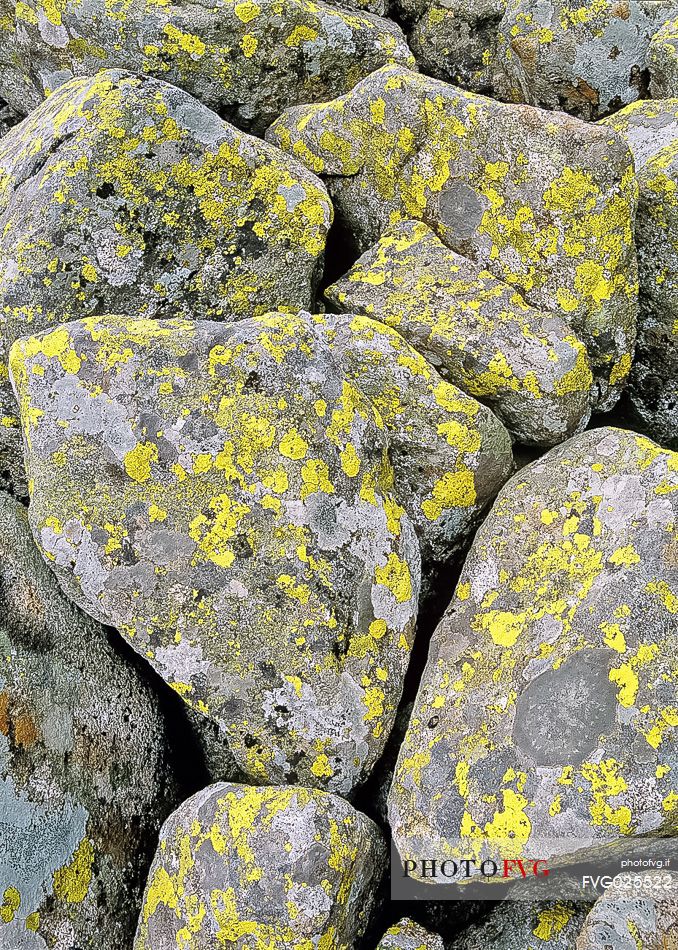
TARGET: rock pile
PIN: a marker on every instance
(339, 404)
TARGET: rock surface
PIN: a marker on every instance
(527, 365)
(408, 935)
(247, 60)
(222, 495)
(546, 202)
(545, 723)
(521, 925)
(651, 130)
(663, 61)
(85, 766)
(450, 455)
(284, 867)
(125, 195)
(588, 59)
(639, 909)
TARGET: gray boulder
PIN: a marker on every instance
(544, 201)
(639, 909)
(662, 61)
(408, 935)
(284, 867)
(526, 925)
(247, 60)
(545, 724)
(526, 364)
(222, 495)
(125, 195)
(651, 130)
(85, 768)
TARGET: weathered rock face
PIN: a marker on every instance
(639, 909)
(222, 495)
(247, 61)
(547, 925)
(407, 935)
(284, 867)
(125, 195)
(662, 60)
(546, 202)
(526, 364)
(450, 455)
(85, 769)
(586, 59)
(546, 718)
(455, 40)
(651, 129)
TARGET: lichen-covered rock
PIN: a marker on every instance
(651, 130)
(455, 40)
(450, 455)
(546, 202)
(125, 195)
(588, 59)
(222, 495)
(524, 925)
(245, 60)
(284, 867)
(85, 768)
(662, 59)
(408, 935)
(639, 909)
(526, 364)
(545, 724)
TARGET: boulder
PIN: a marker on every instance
(639, 909)
(247, 60)
(544, 201)
(450, 455)
(662, 59)
(455, 40)
(545, 723)
(651, 130)
(588, 59)
(283, 866)
(125, 195)
(408, 935)
(526, 364)
(223, 496)
(86, 772)
(526, 925)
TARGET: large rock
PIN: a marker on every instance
(125, 195)
(662, 60)
(545, 724)
(450, 455)
(651, 130)
(408, 935)
(524, 925)
(247, 61)
(283, 867)
(222, 495)
(588, 59)
(546, 202)
(639, 909)
(455, 40)
(85, 769)
(526, 364)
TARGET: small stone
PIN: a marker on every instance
(546, 719)
(408, 935)
(86, 769)
(222, 495)
(123, 194)
(544, 201)
(651, 130)
(284, 867)
(527, 365)
(247, 61)
(450, 455)
(639, 909)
